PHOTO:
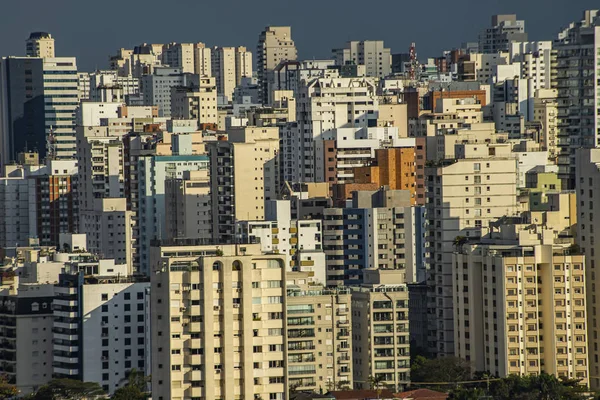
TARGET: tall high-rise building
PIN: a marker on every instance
(520, 309)
(325, 104)
(197, 102)
(229, 65)
(578, 57)
(101, 327)
(26, 335)
(275, 44)
(39, 97)
(371, 53)
(188, 211)
(157, 87)
(38, 201)
(40, 44)
(202, 60)
(319, 335)
(154, 171)
(379, 231)
(380, 330)
(587, 168)
(504, 30)
(464, 195)
(244, 173)
(218, 322)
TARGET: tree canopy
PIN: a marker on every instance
(443, 369)
(530, 387)
(135, 388)
(62, 389)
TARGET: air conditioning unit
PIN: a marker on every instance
(236, 306)
(217, 371)
(219, 290)
(216, 308)
(182, 309)
(239, 290)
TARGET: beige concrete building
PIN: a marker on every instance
(108, 228)
(40, 44)
(199, 103)
(545, 112)
(464, 195)
(180, 55)
(202, 60)
(275, 44)
(229, 65)
(380, 331)
(188, 211)
(520, 309)
(319, 335)
(100, 166)
(376, 58)
(588, 193)
(244, 174)
(217, 323)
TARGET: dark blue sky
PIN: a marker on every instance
(91, 30)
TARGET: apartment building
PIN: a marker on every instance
(51, 122)
(26, 334)
(325, 104)
(371, 53)
(197, 102)
(229, 65)
(108, 228)
(505, 29)
(588, 182)
(521, 309)
(179, 55)
(202, 60)
(38, 201)
(394, 167)
(545, 112)
(301, 240)
(380, 331)
(157, 87)
(464, 195)
(40, 44)
(318, 336)
(578, 57)
(275, 44)
(100, 323)
(338, 151)
(380, 231)
(154, 170)
(188, 210)
(244, 173)
(218, 322)
(288, 75)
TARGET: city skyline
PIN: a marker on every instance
(92, 44)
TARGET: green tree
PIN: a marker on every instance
(63, 389)
(530, 387)
(135, 388)
(443, 370)
(376, 383)
(7, 390)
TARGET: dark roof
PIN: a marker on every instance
(422, 394)
(310, 396)
(361, 394)
(39, 35)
